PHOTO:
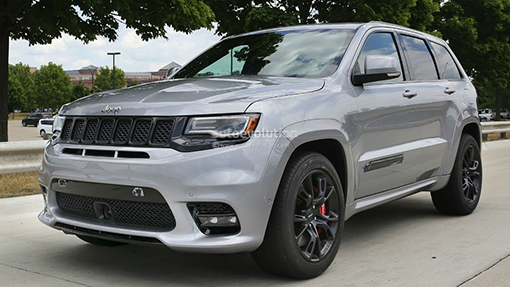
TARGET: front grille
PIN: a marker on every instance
(142, 214)
(122, 131)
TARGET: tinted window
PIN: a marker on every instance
(308, 53)
(445, 63)
(421, 62)
(381, 44)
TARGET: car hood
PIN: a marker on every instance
(190, 96)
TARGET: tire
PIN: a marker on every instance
(308, 209)
(42, 133)
(36, 124)
(24, 124)
(100, 241)
(462, 193)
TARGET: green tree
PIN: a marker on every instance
(52, 86)
(104, 79)
(22, 74)
(133, 83)
(479, 33)
(80, 91)
(39, 22)
(17, 97)
(239, 16)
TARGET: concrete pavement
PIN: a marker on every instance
(404, 243)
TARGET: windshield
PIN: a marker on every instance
(304, 53)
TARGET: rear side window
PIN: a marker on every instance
(380, 44)
(445, 63)
(419, 58)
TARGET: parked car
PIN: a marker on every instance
(45, 126)
(33, 119)
(266, 143)
(486, 115)
(503, 114)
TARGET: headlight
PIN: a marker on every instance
(58, 123)
(223, 127)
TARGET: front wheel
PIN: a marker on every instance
(461, 195)
(24, 124)
(305, 228)
(42, 133)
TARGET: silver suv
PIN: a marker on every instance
(266, 143)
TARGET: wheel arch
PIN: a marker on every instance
(326, 137)
(333, 151)
(473, 129)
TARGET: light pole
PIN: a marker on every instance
(113, 73)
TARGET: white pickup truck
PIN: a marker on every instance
(486, 115)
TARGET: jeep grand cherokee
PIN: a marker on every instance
(266, 143)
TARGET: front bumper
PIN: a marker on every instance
(244, 176)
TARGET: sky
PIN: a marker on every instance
(136, 55)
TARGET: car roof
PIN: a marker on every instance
(353, 26)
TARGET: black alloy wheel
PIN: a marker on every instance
(307, 218)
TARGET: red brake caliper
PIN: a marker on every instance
(322, 209)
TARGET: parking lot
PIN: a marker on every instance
(17, 132)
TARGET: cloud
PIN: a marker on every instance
(136, 55)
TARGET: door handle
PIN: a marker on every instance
(408, 94)
(449, 90)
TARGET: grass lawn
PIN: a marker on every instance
(18, 116)
(17, 184)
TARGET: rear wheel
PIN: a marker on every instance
(304, 230)
(42, 133)
(100, 241)
(461, 195)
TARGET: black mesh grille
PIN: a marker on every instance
(122, 134)
(141, 133)
(162, 132)
(79, 127)
(105, 131)
(90, 131)
(66, 130)
(125, 131)
(143, 214)
(214, 208)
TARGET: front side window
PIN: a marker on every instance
(421, 62)
(445, 63)
(379, 44)
(307, 53)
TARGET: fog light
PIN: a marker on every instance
(215, 218)
(218, 221)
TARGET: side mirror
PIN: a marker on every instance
(377, 68)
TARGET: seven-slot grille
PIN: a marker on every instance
(122, 131)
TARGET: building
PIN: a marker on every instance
(86, 75)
